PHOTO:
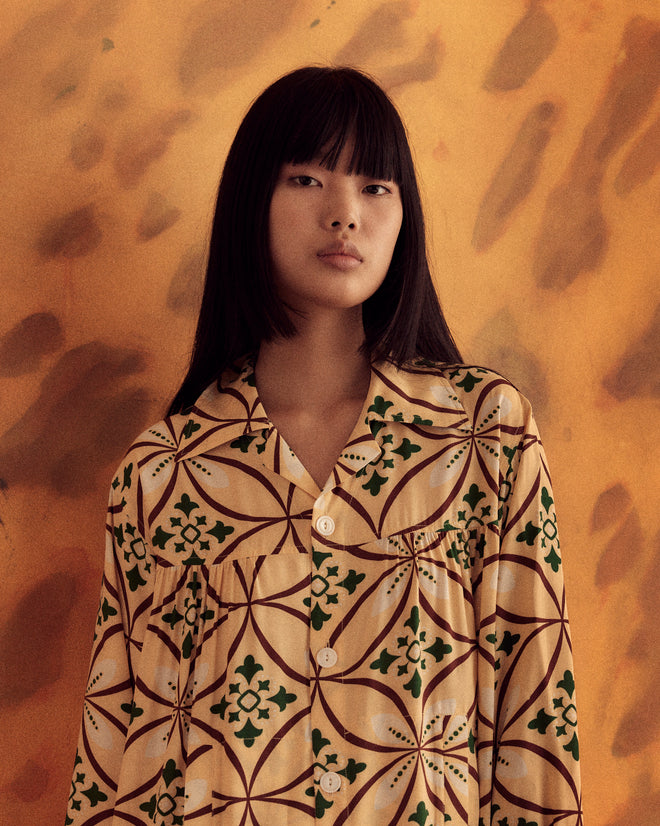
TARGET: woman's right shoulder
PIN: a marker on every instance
(164, 435)
(152, 452)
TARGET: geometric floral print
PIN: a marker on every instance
(247, 698)
(409, 650)
(392, 648)
(564, 715)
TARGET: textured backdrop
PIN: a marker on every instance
(536, 129)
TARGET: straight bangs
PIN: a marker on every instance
(340, 109)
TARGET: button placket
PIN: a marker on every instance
(324, 527)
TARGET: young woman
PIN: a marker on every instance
(333, 588)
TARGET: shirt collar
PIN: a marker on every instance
(228, 409)
(418, 394)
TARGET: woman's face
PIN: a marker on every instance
(331, 234)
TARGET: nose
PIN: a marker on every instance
(338, 224)
(341, 210)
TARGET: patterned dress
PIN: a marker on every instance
(391, 649)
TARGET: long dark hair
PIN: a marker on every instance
(307, 114)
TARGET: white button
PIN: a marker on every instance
(330, 782)
(325, 525)
(326, 657)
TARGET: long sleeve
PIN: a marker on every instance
(529, 760)
(108, 705)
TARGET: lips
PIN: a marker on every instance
(340, 249)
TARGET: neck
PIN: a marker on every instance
(320, 366)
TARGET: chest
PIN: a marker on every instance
(318, 441)
(251, 494)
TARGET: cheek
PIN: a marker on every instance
(394, 220)
(279, 227)
(395, 232)
(286, 221)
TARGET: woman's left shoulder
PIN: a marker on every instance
(481, 391)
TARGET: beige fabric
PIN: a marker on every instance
(391, 649)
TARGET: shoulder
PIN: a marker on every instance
(150, 457)
(484, 394)
(163, 437)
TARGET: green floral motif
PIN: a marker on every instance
(506, 486)
(411, 654)
(327, 761)
(187, 532)
(105, 612)
(380, 406)
(406, 449)
(244, 442)
(325, 582)
(549, 540)
(416, 419)
(132, 709)
(470, 377)
(129, 541)
(565, 716)
(420, 815)
(166, 807)
(390, 454)
(93, 794)
(506, 645)
(126, 481)
(247, 700)
(547, 531)
(190, 617)
(190, 428)
(471, 541)
(528, 536)
(468, 382)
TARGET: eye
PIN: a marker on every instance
(377, 189)
(305, 180)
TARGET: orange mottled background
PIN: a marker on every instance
(536, 128)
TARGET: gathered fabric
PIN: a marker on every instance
(393, 648)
